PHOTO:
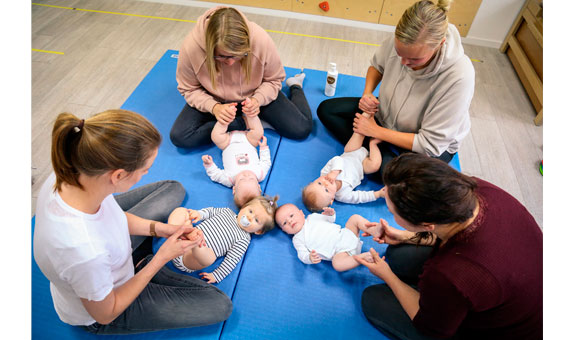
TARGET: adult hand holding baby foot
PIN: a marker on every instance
(225, 113)
(251, 107)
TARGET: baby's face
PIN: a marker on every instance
(252, 218)
(290, 218)
(324, 189)
(246, 186)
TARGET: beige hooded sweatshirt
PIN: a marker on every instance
(432, 102)
(193, 78)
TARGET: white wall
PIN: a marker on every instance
(489, 28)
(492, 22)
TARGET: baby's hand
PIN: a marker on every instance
(194, 215)
(209, 277)
(314, 257)
(207, 159)
(328, 211)
(380, 193)
(263, 142)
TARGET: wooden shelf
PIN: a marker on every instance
(524, 47)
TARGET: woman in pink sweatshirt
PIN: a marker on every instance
(229, 66)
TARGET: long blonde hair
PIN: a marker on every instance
(110, 140)
(227, 30)
(423, 22)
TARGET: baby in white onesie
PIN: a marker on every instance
(243, 169)
(318, 237)
(342, 174)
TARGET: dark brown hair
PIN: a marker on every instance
(427, 190)
(110, 140)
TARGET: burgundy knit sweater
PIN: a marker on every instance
(486, 282)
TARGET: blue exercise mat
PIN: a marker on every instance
(275, 295)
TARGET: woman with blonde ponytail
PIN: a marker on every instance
(426, 86)
(95, 247)
(229, 66)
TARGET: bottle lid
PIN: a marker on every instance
(332, 66)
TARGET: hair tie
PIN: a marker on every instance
(79, 127)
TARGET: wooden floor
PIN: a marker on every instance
(107, 55)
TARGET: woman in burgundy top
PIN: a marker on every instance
(468, 266)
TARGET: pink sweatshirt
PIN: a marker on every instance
(193, 78)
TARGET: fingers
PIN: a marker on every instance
(375, 256)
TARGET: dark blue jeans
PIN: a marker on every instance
(290, 118)
(170, 300)
(379, 304)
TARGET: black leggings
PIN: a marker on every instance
(337, 116)
(291, 118)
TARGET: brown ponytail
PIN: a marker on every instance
(110, 140)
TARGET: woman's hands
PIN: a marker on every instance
(378, 267)
(389, 235)
(177, 244)
(225, 113)
(251, 107)
(368, 103)
(365, 125)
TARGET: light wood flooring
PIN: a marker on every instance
(106, 56)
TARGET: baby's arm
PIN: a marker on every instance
(303, 253)
(265, 158)
(232, 258)
(348, 195)
(333, 165)
(216, 174)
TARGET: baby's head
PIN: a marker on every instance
(257, 215)
(246, 187)
(319, 194)
(290, 218)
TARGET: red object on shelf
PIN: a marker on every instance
(324, 5)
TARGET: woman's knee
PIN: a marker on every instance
(301, 131)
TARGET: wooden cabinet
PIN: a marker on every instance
(386, 12)
(524, 47)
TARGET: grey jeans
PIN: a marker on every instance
(170, 300)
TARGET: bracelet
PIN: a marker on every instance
(153, 229)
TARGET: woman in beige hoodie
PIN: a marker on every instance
(229, 66)
(427, 84)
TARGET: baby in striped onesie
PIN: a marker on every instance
(226, 233)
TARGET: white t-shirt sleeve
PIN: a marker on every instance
(91, 280)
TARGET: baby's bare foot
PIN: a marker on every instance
(375, 231)
(366, 256)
